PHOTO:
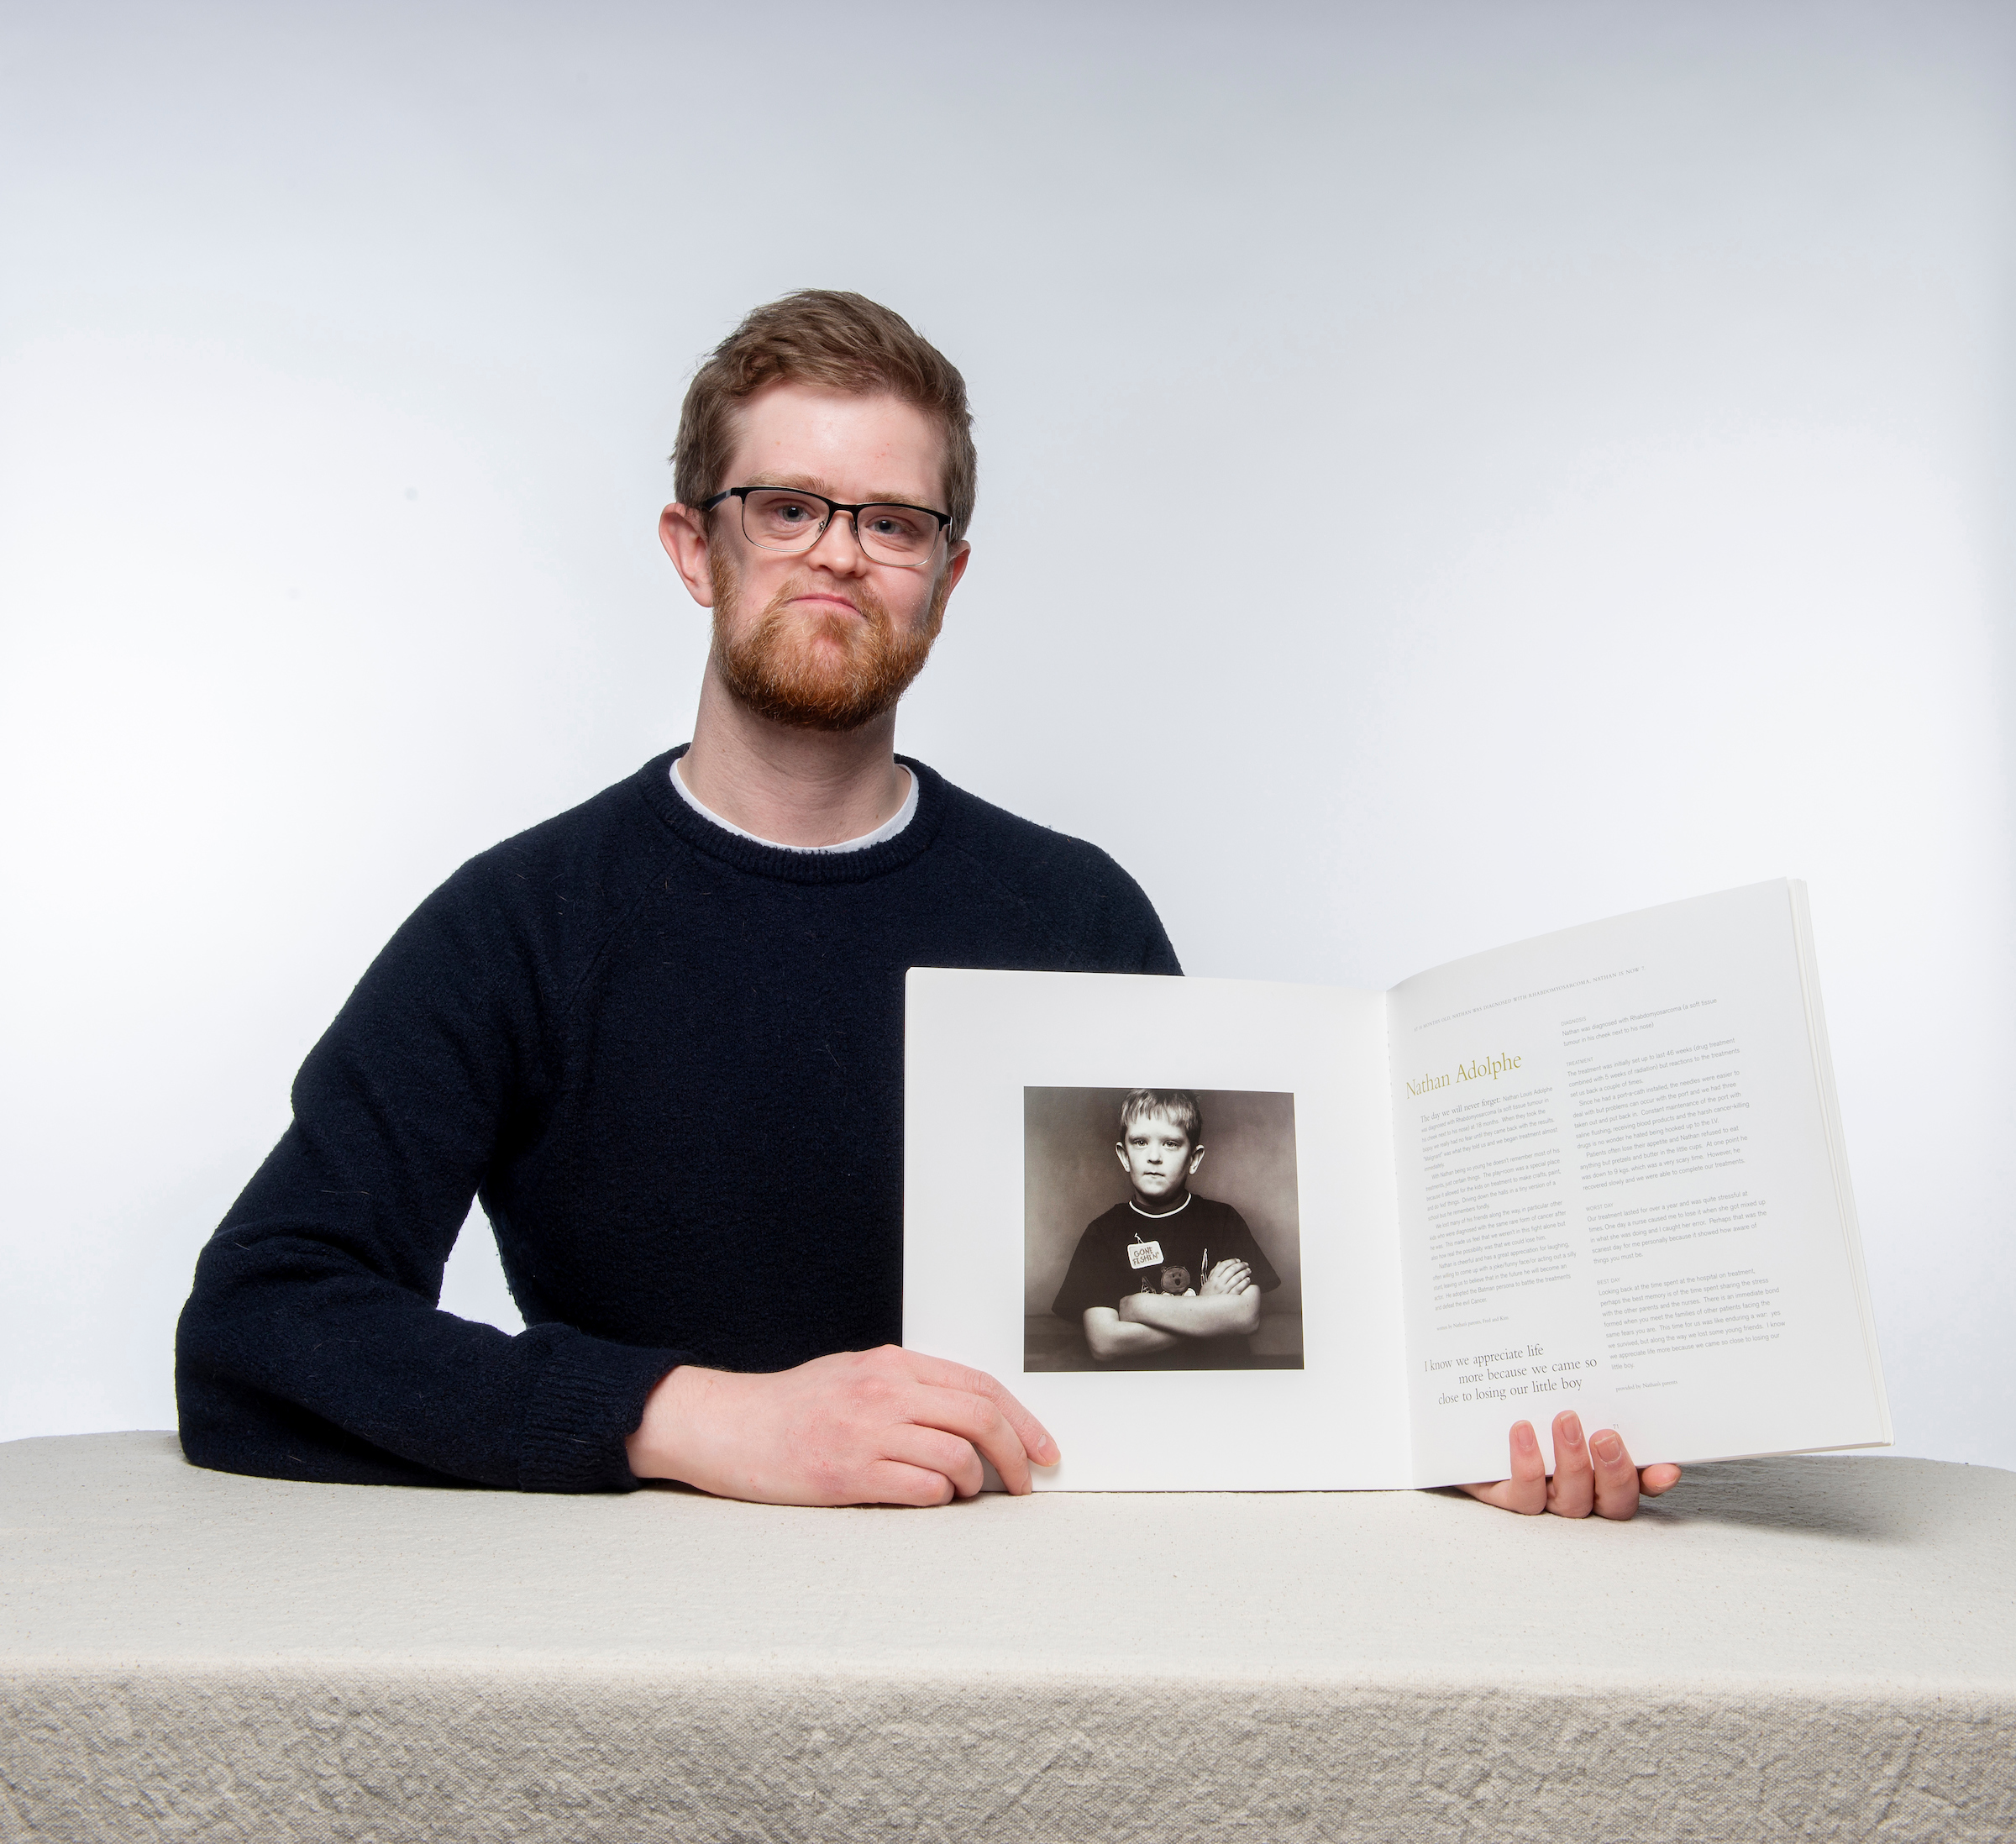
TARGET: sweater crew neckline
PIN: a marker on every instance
(760, 859)
(907, 810)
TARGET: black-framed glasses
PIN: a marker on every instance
(789, 519)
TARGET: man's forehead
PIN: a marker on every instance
(850, 446)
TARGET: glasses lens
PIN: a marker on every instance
(896, 534)
(780, 520)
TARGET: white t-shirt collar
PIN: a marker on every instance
(888, 829)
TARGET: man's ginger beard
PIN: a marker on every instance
(814, 669)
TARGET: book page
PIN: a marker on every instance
(1620, 1192)
(1031, 1206)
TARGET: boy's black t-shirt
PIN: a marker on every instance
(1127, 1251)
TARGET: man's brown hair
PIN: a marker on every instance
(844, 342)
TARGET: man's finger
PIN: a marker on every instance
(1033, 1435)
(976, 1420)
(891, 1482)
(1662, 1477)
(1573, 1492)
(936, 1451)
(1526, 1490)
(1616, 1478)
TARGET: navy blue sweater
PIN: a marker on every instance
(669, 1062)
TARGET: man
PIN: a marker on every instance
(660, 1037)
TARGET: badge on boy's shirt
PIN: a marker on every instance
(1144, 1254)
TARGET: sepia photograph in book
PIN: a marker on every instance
(1160, 1230)
(1602, 1168)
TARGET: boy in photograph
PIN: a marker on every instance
(1166, 1279)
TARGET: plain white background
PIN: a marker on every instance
(1448, 472)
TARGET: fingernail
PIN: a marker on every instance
(1523, 1438)
(1568, 1429)
(1608, 1448)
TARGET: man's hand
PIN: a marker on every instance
(1610, 1487)
(863, 1427)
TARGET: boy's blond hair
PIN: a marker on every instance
(1177, 1107)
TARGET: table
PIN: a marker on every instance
(1822, 1647)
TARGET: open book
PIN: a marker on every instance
(1232, 1235)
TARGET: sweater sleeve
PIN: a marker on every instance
(1158, 954)
(312, 1345)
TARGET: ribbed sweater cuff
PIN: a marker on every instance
(588, 1398)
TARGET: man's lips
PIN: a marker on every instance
(827, 602)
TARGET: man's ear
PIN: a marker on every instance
(684, 533)
(1120, 1152)
(1196, 1159)
(955, 565)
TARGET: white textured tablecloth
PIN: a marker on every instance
(1811, 1648)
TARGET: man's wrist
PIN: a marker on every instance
(658, 1448)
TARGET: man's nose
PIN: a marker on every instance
(838, 547)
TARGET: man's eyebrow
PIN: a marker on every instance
(812, 483)
(805, 483)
